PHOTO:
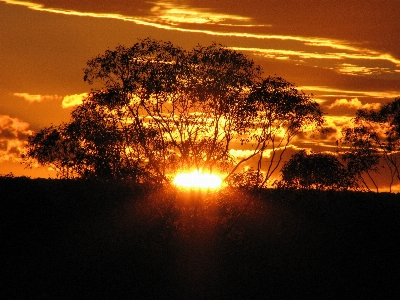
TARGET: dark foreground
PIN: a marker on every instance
(88, 240)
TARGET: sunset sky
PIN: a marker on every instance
(346, 53)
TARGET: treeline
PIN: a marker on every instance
(369, 147)
(156, 109)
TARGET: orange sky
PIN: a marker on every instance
(344, 52)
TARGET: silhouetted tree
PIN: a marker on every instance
(315, 171)
(90, 146)
(53, 147)
(376, 133)
(279, 113)
(361, 154)
(156, 108)
(246, 178)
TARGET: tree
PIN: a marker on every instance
(51, 146)
(90, 146)
(320, 171)
(247, 178)
(156, 108)
(279, 113)
(376, 134)
(361, 154)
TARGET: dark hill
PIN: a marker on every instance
(95, 240)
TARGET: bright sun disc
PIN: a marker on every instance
(198, 180)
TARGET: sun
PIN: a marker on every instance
(198, 180)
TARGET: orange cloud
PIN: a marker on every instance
(171, 16)
(243, 153)
(73, 100)
(352, 53)
(67, 101)
(163, 15)
(329, 92)
(36, 98)
(352, 69)
(353, 103)
(174, 14)
(334, 126)
(13, 138)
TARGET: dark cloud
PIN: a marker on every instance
(3, 145)
(7, 133)
(13, 138)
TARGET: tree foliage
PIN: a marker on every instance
(361, 154)
(374, 136)
(320, 171)
(279, 113)
(156, 108)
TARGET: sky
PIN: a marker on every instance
(344, 52)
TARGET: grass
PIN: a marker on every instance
(94, 240)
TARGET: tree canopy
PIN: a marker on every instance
(320, 171)
(374, 138)
(156, 108)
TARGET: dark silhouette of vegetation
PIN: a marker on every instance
(73, 239)
(369, 145)
(319, 171)
(156, 108)
(375, 137)
(361, 155)
(248, 178)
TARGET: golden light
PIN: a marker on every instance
(198, 180)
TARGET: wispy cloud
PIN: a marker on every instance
(325, 91)
(333, 59)
(333, 126)
(352, 69)
(13, 138)
(67, 101)
(36, 98)
(354, 104)
(172, 16)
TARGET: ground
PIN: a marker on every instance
(75, 239)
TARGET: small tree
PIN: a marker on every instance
(375, 135)
(53, 147)
(361, 154)
(315, 171)
(246, 178)
(280, 113)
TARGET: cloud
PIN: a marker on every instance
(73, 100)
(171, 16)
(325, 91)
(240, 154)
(174, 14)
(325, 58)
(354, 104)
(332, 132)
(36, 98)
(67, 101)
(243, 153)
(162, 14)
(13, 138)
(352, 69)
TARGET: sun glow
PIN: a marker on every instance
(198, 180)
